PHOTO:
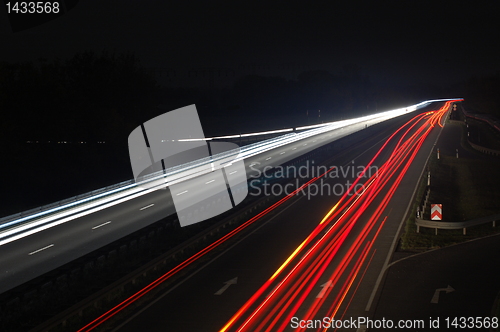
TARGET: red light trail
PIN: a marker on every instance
(293, 284)
(139, 294)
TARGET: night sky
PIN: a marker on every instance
(391, 42)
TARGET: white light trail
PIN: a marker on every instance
(37, 222)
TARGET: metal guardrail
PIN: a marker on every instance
(73, 199)
(456, 224)
(149, 177)
(89, 195)
(484, 149)
(488, 118)
(207, 235)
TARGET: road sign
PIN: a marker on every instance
(436, 211)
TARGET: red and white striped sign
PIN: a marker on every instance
(436, 211)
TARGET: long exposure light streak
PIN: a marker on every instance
(41, 220)
(113, 311)
(293, 283)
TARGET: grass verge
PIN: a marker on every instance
(468, 188)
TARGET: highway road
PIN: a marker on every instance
(76, 231)
(318, 256)
(470, 270)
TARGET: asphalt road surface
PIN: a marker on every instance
(206, 300)
(29, 257)
(471, 271)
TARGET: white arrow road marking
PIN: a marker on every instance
(148, 206)
(107, 222)
(226, 286)
(47, 247)
(324, 287)
(435, 298)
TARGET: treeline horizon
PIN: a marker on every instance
(104, 96)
